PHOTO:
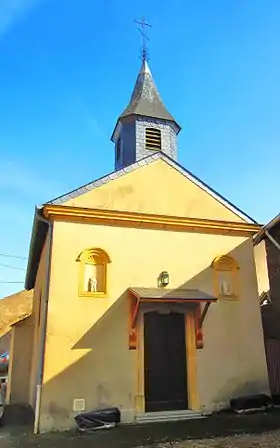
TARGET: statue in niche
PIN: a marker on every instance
(93, 268)
(225, 277)
(226, 284)
(225, 288)
(92, 284)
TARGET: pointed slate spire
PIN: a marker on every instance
(145, 126)
(145, 99)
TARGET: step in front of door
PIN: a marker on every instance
(167, 416)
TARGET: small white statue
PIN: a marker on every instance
(225, 288)
(92, 284)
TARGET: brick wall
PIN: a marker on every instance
(273, 265)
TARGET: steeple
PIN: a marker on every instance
(145, 99)
(145, 126)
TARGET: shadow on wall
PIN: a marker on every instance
(5, 341)
(106, 374)
(270, 320)
(273, 262)
(104, 369)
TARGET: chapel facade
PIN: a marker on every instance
(145, 286)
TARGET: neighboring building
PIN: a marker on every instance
(145, 286)
(13, 309)
(267, 241)
(269, 238)
(5, 341)
(18, 389)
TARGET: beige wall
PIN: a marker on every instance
(261, 267)
(19, 369)
(232, 362)
(87, 352)
(36, 321)
(172, 194)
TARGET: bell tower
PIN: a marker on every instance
(145, 126)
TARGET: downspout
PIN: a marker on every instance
(273, 240)
(43, 327)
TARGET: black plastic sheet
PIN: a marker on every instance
(250, 403)
(99, 418)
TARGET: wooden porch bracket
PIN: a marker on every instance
(199, 319)
(198, 327)
(133, 333)
(204, 312)
(136, 296)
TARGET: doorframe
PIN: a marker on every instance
(191, 364)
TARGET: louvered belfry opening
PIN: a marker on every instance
(118, 150)
(153, 139)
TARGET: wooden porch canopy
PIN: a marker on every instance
(192, 297)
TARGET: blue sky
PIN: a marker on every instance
(67, 71)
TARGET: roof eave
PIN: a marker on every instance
(116, 131)
(139, 114)
(267, 227)
(21, 319)
(214, 193)
(146, 160)
(113, 136)
(186, 295)
(38, 236)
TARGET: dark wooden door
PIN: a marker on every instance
(165, 362)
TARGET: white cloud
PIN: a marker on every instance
(13, 10)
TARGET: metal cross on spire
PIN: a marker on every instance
(144, 49)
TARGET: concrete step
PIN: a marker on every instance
(168, 416)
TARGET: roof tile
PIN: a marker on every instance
(172, 294)
(14, 308)
(145, 99)
(146, 161)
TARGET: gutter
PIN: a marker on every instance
(265, 231)
(273, 240)
(28, 284)
(43, 327)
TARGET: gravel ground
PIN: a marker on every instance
(265, 440)
(227, 431)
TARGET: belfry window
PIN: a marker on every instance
(118, 150)
(153, 139)
(93, 272)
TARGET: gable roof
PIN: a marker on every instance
(40, 224)
(146, 161)
(14, 308)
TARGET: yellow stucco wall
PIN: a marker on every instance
(87, 352)
(233, 361)
(156, 188)
(36, 321)
(20, 355)
(261, 267)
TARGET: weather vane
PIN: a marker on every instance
(144, 49)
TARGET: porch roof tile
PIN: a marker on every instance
(172, 294)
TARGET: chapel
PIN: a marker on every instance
(145, 286)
